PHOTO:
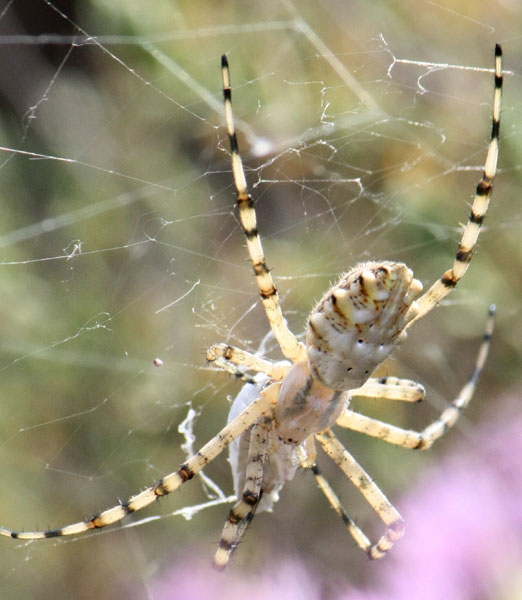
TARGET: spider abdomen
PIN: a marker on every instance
(359, 322)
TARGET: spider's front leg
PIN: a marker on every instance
(262, 405)
(307, 456)
(369, 489)
(243, 511)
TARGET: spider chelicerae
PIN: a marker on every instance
(288, 406)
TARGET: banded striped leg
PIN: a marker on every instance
(230, 358)
(171, 482)
(369, 489)
(441, 288)
(290, 347)
(242, 512)
(422, 440)
(353, 529)
(390, 388)
(308, 461)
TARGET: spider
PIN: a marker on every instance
(288, 406)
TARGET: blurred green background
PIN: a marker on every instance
(363, 136)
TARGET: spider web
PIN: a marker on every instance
(363, 128)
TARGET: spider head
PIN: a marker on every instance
(359, 322)
(305, 406)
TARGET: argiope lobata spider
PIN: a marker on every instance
(289, 405)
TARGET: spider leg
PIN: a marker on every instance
(369, 489)
(168, 483)
(308, 461)
(354, 530)
(392, 434)
(390, 388)
(441, 288)
(424, 439)
(230, 358)
(290, 346)
(242, 512)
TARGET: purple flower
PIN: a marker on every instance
(464, 523)
(463, 540)
(193, 581)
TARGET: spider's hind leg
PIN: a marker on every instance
(290, 346)
(442, 287)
